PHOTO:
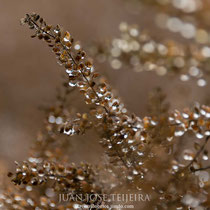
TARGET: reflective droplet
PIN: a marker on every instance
(199, 135)
(201, 82)
(188, 155)
(179, 132)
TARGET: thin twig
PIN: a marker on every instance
(197, 154)
(201, 169)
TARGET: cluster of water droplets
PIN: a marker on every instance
(138, 50)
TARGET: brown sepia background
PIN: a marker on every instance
(29, 73)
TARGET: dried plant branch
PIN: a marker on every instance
(140, 151)
(202, 169)
(81, 72)
(199, 152)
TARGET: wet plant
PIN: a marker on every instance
(143, 155)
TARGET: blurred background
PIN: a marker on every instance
(29, 73)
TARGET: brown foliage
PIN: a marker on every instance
(143, 154)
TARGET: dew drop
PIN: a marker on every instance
(179, 132)
(135, 172)
(188, 155)
(51, 119)
(72, 84)
(205, 157)
(199, 135)
(201, 82)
